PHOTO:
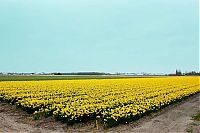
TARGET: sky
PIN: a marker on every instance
(154, 36)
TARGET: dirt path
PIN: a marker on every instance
(175, 118)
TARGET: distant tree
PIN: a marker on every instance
(178, 72)
(192, 73)
(57, 73)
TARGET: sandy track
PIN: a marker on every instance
(175, 118)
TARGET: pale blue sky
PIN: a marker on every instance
(99, 35)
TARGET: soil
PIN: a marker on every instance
(176, 118)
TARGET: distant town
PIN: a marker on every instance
(176, 73)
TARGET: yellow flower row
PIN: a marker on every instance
(113, 100)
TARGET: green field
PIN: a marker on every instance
(66, 77)
(51, 77)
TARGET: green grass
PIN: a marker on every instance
(197, 116)
(50, 77)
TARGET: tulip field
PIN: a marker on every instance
(111, 101)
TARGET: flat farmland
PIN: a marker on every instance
(64, 77)
(108, 101)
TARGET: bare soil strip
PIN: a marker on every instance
(175, 118)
